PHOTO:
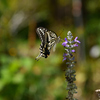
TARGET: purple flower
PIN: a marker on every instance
(73, 50)
(64, 43)
(64, 56)
(75, 45)
(77, 40)
(67, 45)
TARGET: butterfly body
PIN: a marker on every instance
(48, 39)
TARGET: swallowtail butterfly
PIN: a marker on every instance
(48, 39)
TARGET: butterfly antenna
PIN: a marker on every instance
(62, 40)
(61, 32)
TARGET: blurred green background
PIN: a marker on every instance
(23, 78)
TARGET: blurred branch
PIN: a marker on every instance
(78, 18)
(32, 33)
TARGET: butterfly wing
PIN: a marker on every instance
(44, 52)
(54, 39)
(41, 33)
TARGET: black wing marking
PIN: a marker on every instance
(43, 53)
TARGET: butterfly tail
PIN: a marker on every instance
(39, 56)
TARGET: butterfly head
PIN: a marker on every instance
(58, 39)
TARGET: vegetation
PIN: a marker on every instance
(23, 78)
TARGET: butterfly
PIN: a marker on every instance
(48, 39)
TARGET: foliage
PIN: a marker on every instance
(23, 78)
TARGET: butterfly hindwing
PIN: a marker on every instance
(54, 39)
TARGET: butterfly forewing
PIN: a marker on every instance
(44, 52)
(41, 33)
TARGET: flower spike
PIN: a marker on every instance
(69, 45)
